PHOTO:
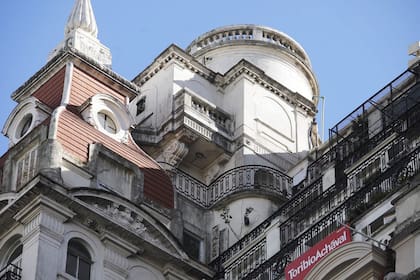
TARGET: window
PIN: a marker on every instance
(78, 263)
(26, 167)
(13, 267)
(107, 123)
(16, 257)
(141, 106)
(191, 245)
(24, 126)
(223, 240)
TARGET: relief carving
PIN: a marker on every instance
(174, 153)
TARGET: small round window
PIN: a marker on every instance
(24, 126)
(107, 123)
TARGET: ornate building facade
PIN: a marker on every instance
(207, 165)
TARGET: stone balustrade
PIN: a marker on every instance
(244, 178)
(235, 33)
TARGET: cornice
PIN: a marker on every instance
(258, 76)
(174, 53)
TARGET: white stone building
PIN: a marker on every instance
(207, 165)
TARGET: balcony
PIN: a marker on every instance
(195, 114)
(238, 180)
(359, 202)
(11, 272)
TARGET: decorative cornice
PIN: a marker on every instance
(243, 67)
(175, 53)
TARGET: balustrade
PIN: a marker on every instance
(248, 33)
(312, 213)
(361, 201)
(11, 272)
(248, 177)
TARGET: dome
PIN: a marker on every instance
(274, 52)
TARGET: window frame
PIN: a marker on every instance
(81, 255)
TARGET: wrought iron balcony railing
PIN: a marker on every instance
(388, 182)
(339, 201)
(236, 180)
(11, 272)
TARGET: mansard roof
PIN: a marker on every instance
(107, 76)
(76, 136)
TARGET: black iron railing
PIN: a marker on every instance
(359, 202)
(11, 272)
(341, 202)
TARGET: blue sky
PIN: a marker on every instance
(356, 47)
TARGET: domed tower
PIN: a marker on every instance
(246, 94)
(229, 117)
(274, 52)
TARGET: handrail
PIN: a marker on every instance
(243, 178)
(364, 198)
(11, 272)
(379, 96)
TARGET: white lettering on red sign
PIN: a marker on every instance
(297, 269)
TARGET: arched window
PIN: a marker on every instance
(12, 267)
(78, 263)
(16, 257)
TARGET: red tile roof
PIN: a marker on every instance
(85, 86)
(76, 135)
(51, 91)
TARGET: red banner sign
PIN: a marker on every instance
(297, 269)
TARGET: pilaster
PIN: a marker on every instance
(43, 231)
(116, 253)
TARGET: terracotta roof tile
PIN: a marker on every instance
(76, 135)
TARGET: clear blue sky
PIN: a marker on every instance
(356, 47)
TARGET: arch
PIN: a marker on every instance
(273, 117)
(146, 273)
(78, 260)
(92, 247)
(25, 116)
(339, 260)
(10, 251)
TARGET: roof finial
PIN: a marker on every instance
(82, 17)
(81, 35)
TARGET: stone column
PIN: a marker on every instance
(43, 231)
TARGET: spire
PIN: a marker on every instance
(81, 34)
(82, 17)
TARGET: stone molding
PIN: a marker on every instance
(43, 214)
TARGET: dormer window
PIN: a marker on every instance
(107, 123)
(108, 115)
(24, 118)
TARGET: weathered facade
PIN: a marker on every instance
(207, 165)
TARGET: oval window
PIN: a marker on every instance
(24, 126)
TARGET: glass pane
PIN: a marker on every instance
(71, 265)
(84, 270)
(191, 245)
(17, 253)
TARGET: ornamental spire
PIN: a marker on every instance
(82, 17)
(81, 35)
